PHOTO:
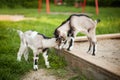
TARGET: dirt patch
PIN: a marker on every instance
(14, 18)
(108, 50)
(46, 74)
(41, 74)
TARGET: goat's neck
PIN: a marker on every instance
(48, 43)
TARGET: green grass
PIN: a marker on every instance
(10, 69)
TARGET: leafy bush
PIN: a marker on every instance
(20, 3)
(113, 3)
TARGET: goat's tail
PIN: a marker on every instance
(97, 21)
(20, 33)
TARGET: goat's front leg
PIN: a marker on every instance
(45, 55)
(71, 43)
(66, 44)
(35, 61)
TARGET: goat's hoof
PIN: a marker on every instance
(35, 67)
(18, 59)
(93, 54)
(68, 49)
(48, 67)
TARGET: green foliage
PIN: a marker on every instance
(70, 2)
(18, 3)
(56, 61)
(34, 3)
(113, 3)
(102, 3)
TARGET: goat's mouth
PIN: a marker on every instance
(61, 45)
(60, 41)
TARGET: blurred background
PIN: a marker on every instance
(31, 15)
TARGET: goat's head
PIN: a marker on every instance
(60, 38)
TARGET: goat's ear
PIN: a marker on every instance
(64, 36)
(57, 39)
(56, 33)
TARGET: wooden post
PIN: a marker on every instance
(47, 6)
(83, 7)
(61, 1)
(96, 4)
(55, 2)
(39, 5)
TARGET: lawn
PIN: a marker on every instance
(10, 69)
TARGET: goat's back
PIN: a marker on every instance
(82, 22)
(33, 39)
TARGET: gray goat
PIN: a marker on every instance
(76, 23)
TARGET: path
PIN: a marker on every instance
(41, 74)
(46, 74)
(14, 18)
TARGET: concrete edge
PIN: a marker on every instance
(89, 59)
(99, 37)
(110, 73)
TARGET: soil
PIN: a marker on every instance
(108, 50)
(41, 74)
(46, 74)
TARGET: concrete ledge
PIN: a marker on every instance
(90, 66)
(100, 37)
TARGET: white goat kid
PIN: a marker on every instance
(68, 30)
(38, 43)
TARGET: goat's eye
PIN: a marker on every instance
(62, 38)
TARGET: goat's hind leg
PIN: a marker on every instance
(92, 48)
(21, 51)
(92, 39)
(26, 54)
(90, 45)
(94, 44)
